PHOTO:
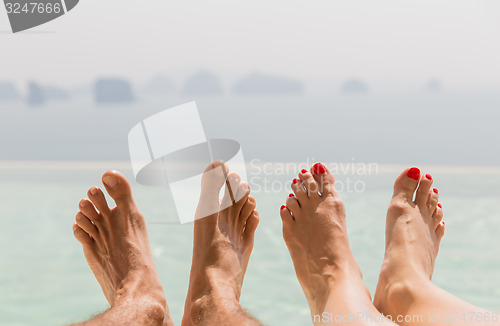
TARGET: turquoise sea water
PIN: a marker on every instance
(44, 279)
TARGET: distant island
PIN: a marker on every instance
(354, 86)
(109, 91)
(259, 84)
(8, 92)
(36, 96)
(203, 83)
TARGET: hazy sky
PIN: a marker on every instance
(389, 43)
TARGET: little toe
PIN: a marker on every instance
(119, 189)
(440, 230)
(407, 183)
(86, 225)
(82, 236)
(97, 197)
(422, 195)
(88, 209)
(310, 185)
(324, 179)
(286, 215)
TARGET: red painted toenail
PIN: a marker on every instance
(291, 195)
(428, 176)
(294, 181)
(413, 173)
(304, 171)
(440, 206)
(435, 190)
(319, 168)
(283, 207)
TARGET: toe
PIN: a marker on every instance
(99, 200)
(299, 190)
(231, 190)
(423, 190)
(438, 214)
(212, 180)
(293, 205)
(245, 213)
(86, 225)
(324, 179)
(440, 231)
(406, 184)
(286, 216)
(250, 227)
(82, 236)
(433, 199)
(88, 209)
(310, 185)
(241, 196)
(118, 188)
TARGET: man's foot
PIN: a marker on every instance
(314, 229)
(222, 246)
(115, 244)
(413, 233)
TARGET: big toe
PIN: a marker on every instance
(212, 181)
(118, 188)
(324, 178)
(407, 183)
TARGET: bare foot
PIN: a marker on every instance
(413, 233)
(222, 246)
(115, 244)
(314, 229)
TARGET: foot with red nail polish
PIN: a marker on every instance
(314, 229)
(414, 230)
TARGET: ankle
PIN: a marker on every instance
(212, 307)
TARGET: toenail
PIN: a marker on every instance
(303, 171)
(319, 168)
(435, 190)
(110, 181)
(291, 195)
(294, 181)
(413, 173)
(93, 191)
(428, 176)
(75, 227)
(283, 207)
(83, 203)
(440, 206)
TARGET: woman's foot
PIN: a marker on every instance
(314, 229)
(223, 243)
(115, 244)
(413, 233)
